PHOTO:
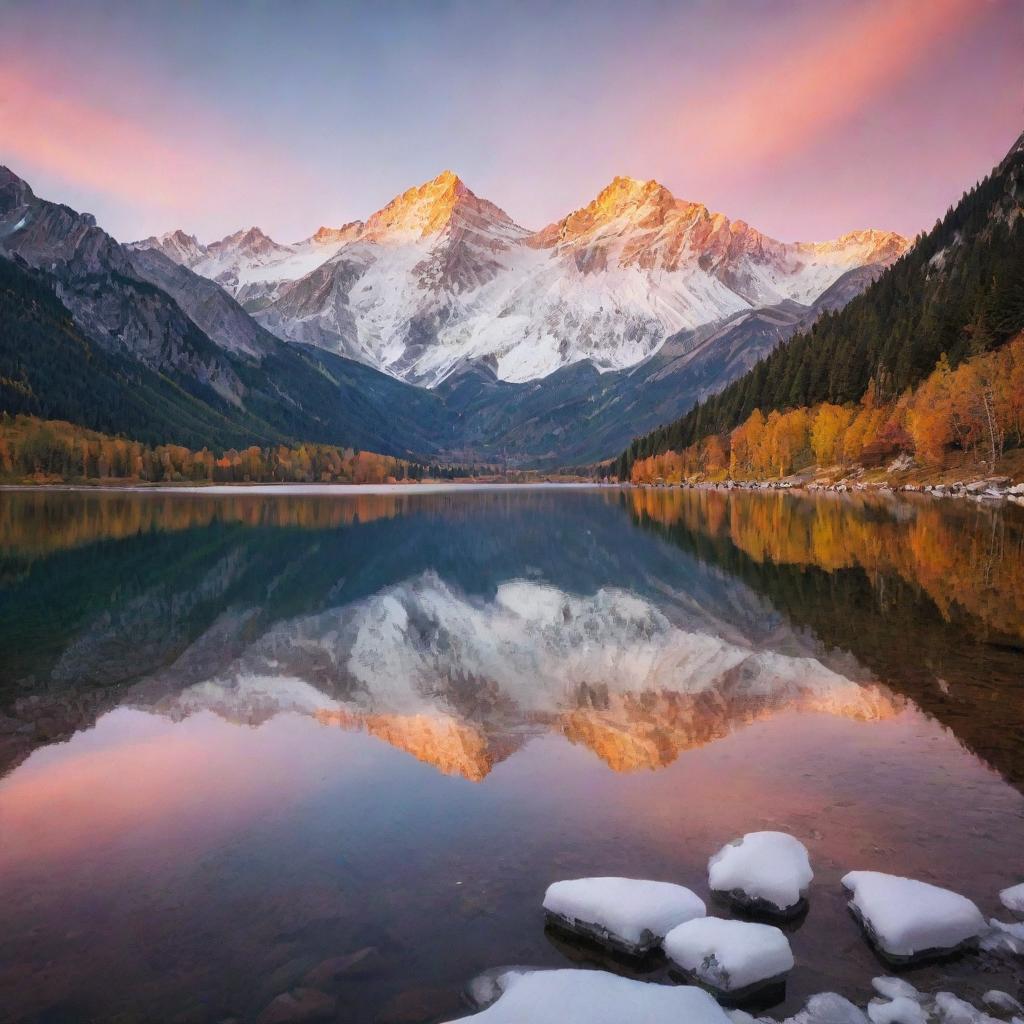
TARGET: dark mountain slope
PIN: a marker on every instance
(50, 368)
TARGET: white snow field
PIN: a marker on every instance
(628, 914)
(762, 871)
(907, 919)
(593, 997)
(730, 957)
(1013, 899)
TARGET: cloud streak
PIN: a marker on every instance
(782, 103)
(185, 164)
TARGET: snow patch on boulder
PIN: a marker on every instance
(766, 872)
(629, 915)
(901, 1010)
(1002, 1001)
(733, 958)
(829, 1008)
(908, 920)
(593, 997)
(1013, 899)
(1003, 937)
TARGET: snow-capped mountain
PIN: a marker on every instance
(440, 278)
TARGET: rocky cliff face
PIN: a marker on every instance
(110, 301)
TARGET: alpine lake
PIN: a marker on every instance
(256, 739)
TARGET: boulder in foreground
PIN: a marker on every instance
(907, 920)
(762, 872)
(733, 958)
(593, 997)
(627, 915)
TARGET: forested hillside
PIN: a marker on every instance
(50, 367)
(958, 292)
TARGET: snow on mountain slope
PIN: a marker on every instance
(248, 264)
(440, 278)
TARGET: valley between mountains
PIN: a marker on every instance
(437, 328)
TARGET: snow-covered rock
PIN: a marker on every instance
(593, 997)
(828, 1008)
(894, 988)
(766, 872)
(906, 919)
(1004, 937)
(630, 915)
(1013, 899)
(733, 958)
(901, 1003)
(1003, 1002)
(901, 1010)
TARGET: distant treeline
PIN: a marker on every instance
(32, 449)
(958, 292)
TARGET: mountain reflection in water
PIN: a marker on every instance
(208, 705)
(412, 617)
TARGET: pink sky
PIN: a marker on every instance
(804, 118)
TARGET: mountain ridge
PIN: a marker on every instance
(440, 277)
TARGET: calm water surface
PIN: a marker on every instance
(245, 734)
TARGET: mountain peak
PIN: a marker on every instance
(253, 241)
(176, 245)
(248, 236)
(16, 190)
(449, 179)
(428, 209)
(623, 195)
(624, 204)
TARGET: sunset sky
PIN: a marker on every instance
(806, 119)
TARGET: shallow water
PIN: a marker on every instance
(243, 734)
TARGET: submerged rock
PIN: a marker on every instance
(359, 964)
(733, 958)
(907, 920)
(628, 915)
(299, 1006)
(763, 872)
(592, 997)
